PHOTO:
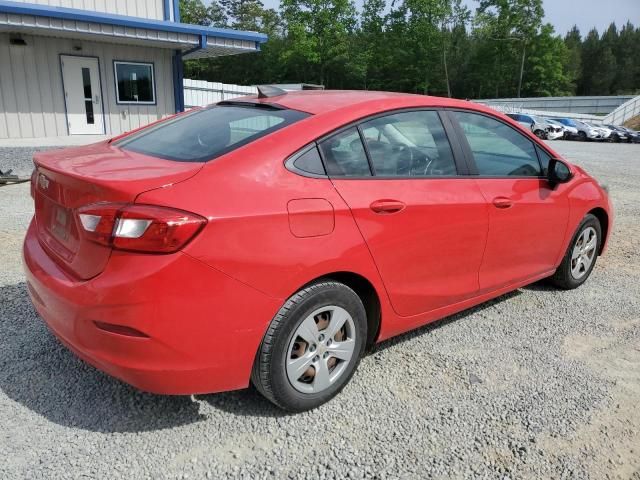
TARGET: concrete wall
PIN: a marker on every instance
(584, 105)
(31, 95)
(135, 8)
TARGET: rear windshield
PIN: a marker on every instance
(203, 135)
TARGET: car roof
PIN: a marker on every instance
(324, 101)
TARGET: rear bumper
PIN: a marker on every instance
(202, 328)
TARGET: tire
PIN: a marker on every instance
(541, 134)
(283, 343)
(565, 276)
(583, 136)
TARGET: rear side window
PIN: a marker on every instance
(411, 144)
(203, 135)
(344, 155)
(310, 162)
(498, 150)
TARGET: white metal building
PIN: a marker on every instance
(101, 67)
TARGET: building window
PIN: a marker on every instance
(135, 83)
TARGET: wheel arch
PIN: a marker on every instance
(368, 295)
(603, 218)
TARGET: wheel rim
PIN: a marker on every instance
(321, 349)
(584, 252)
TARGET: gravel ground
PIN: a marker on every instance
(536, 384)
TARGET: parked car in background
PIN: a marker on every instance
(604, 131)
(618, 134)
(632, 135)
(568, 132)
(587, 132)
(539, 126)
(150, 264)
(569, 122)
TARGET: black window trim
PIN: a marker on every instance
(468, 154)
(456, 150)
(290, 162)
(153, 81)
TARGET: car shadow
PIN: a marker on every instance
(39, 373)
(541, 286)
(431, 327)
(250, 403)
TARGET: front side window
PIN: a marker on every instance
(134, 83)
(545, 158)
(498, 150)
(344, 155)
(410, 144)
(203, 135)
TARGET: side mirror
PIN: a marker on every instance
(559, 172)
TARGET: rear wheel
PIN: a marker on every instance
(541, 134)
(580, 258)
(312, 347)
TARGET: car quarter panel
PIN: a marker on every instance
(585, 195)
(255, 233)
(201, 327)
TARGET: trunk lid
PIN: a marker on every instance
(65, 180)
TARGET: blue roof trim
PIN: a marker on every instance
(176, 11)
(125, 21)
(202, 44)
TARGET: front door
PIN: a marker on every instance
(527, 217)
(82, 94)
(425, 226)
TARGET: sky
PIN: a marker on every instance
(563, 14)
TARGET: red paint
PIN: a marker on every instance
(429, 247)
(310, 217)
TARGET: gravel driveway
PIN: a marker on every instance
(536, 384)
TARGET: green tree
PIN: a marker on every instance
(573, 59)
(545, 71)
(598, 66)
(197, 13)
(318, 35)
(508, 26)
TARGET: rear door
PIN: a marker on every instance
(527, 218)
(424, 224)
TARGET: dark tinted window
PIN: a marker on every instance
(202, 135)
(544, 160)
(409, 144)
(344, 155)
(498, 150)
(134, 82)
(310, 162)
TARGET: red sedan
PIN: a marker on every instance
(271, 239)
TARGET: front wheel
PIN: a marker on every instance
(312, 347)
(580, 258)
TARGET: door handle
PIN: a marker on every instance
(96, 99)
(502, 202)
(387, 206)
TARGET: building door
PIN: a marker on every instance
(83, 95)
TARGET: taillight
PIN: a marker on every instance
(140, 228)
(33, 182)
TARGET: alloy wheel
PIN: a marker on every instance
(584, 252)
